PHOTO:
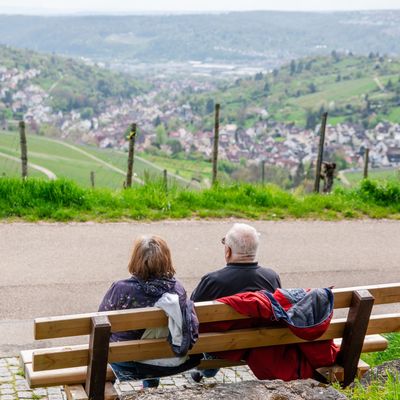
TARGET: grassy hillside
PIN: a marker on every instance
(351, 88)
(392, 174)
(71, 161)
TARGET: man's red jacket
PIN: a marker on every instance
(307, 313)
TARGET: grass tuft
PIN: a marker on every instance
(62, 200)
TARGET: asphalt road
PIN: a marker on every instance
(54, 269)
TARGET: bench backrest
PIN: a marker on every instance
(79, 355)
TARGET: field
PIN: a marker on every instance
(379, 174)
(71, 161)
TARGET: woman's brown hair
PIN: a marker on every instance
(151, 259)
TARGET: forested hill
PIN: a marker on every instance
(33, 80)
(234, 36)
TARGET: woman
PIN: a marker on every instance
(153, 284)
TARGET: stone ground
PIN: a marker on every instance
(13, 386)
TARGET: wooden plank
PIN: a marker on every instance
(208, 342)
(123, 320)
(372, 343)
(354, 333)
(98, 358)
(59, 377)
(110, 393)
(383, 294)
(69, 376)
(210, 311)
(335, 373)
(75, 392)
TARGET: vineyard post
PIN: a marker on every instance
(366, 161)
(215, 151)
(263, 172)
(131, 154)
(24, 149)
(92, 178)
(320, 152)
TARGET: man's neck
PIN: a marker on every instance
(240, 259)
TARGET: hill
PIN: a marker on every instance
(61, 83)
(356, 89)
(269, 37)
(74, 162)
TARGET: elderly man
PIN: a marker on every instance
(241, 274)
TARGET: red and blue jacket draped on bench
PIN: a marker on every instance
(307, 313)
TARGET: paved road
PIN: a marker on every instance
(53, 269)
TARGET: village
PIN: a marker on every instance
(279, 144)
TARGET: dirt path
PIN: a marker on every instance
(51, 269)
(50, 174)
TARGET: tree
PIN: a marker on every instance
(292, 67)
(311, 119)
(161, 135)
(210, 106)
(312, 88)
(258, 76)
(176, 146)
(267, 88)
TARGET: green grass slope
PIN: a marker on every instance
(72, 162)
(351, 88)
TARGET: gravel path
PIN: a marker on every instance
(52, 269)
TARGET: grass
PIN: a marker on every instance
(391, 353)
(72, 161)
(62, 200)
(376, 174)
(377, 390)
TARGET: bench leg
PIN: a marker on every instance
(77, 392)
(98, 357)
(354, 333)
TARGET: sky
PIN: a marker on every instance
(154, 6)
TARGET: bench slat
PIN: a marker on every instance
(77, 375)
(58, 377)
(208, 342)
(210, 311)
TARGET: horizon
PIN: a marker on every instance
(52, 13)
(158, 7)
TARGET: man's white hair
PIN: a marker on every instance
(243, 239)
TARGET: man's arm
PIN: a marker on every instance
(204, 290)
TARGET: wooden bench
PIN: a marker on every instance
(84, 371)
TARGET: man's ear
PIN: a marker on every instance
(228, 252)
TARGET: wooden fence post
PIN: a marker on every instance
(215, 151)
(24, 149)
(98, 357)
(92, 178)
(131, 154)
(354, 333)
(165, 179)
(263, 172)
(320, 152)
(366, 161)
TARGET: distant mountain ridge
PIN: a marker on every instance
(248, 37)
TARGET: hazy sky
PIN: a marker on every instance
(118, 6)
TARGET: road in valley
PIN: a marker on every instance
(53, 269)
